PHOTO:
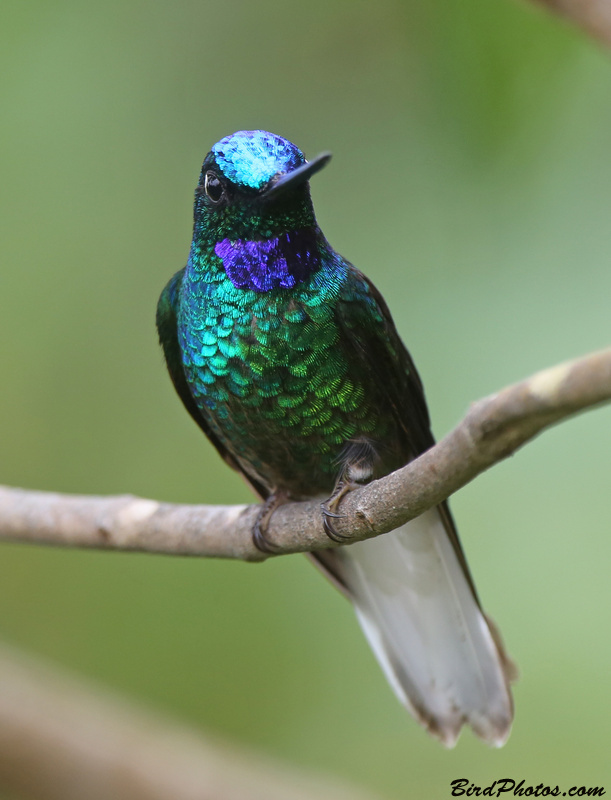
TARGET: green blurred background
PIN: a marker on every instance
(471, 180)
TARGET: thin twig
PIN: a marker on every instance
(493, 429)
(63, 740)
(593, 16)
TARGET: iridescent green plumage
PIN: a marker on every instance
(280, 376)
(288, 359)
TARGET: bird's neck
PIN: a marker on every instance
(279, 260)
(258, 247)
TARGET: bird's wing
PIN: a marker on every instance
(375, 344)
(412, 589)
(366, 323)
(168, 338)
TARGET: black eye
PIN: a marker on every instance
(213, 187)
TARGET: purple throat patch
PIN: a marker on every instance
(278, 263)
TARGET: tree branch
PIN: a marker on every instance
(593, 16)
(492, 430)
(63, 740)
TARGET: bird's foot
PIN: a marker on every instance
(259, 529)
(329, 510)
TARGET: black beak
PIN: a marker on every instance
(291, 179)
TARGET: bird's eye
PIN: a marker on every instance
(213, 187)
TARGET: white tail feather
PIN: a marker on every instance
(418, 611)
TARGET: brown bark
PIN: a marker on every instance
(492, 430)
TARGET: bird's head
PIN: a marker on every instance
(254, 185)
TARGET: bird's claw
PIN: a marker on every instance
(329, 527)
(328, 515)
(259, 529)
(260, 540)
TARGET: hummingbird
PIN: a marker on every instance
(287, 357)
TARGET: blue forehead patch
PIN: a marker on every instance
(252, 158)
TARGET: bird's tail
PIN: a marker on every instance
(416, 603)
